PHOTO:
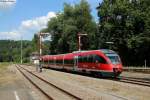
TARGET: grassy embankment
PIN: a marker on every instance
(3, 72)
(3, 67)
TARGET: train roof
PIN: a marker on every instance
(107, 51)
(84, 51)
(71, 55)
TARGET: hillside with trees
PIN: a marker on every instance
(10, 50)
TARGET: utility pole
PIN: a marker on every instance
(40, 41)
(79, 40)
(145, 63)
(21, 50)
(40, 35)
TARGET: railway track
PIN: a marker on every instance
(26, 73)
(137, 81)
(132, 80)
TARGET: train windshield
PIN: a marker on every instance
(114, 58)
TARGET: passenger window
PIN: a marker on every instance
(71, 61)
(90, 58)
(80, 59)
(87, 58)
(68, 61)
(84, 59)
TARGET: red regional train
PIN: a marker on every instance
(101, 62)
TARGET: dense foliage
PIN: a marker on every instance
(65, 27)
(10, 50)
(127, 24)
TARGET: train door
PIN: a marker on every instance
(63, 62)
(54, 62)
(75, 63)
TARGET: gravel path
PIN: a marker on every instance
(94, 88)
(136, 75)
(14, 87)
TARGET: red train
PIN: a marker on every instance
(102, 62)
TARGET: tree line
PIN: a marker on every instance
(10, 50)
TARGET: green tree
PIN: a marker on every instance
(65, 27)
(126, 23)
(35, 42)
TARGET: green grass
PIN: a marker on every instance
(3, 66)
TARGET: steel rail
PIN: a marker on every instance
(48, 97)
(68, 93)
(135, 81)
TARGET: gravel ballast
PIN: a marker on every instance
(96, 88)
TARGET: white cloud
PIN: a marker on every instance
(37, 23)
(14, 35)
(28, 27)
(6, 4)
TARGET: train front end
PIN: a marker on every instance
(114, 62)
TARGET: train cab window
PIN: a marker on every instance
(99, 59)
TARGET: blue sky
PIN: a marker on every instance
(26, 17)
